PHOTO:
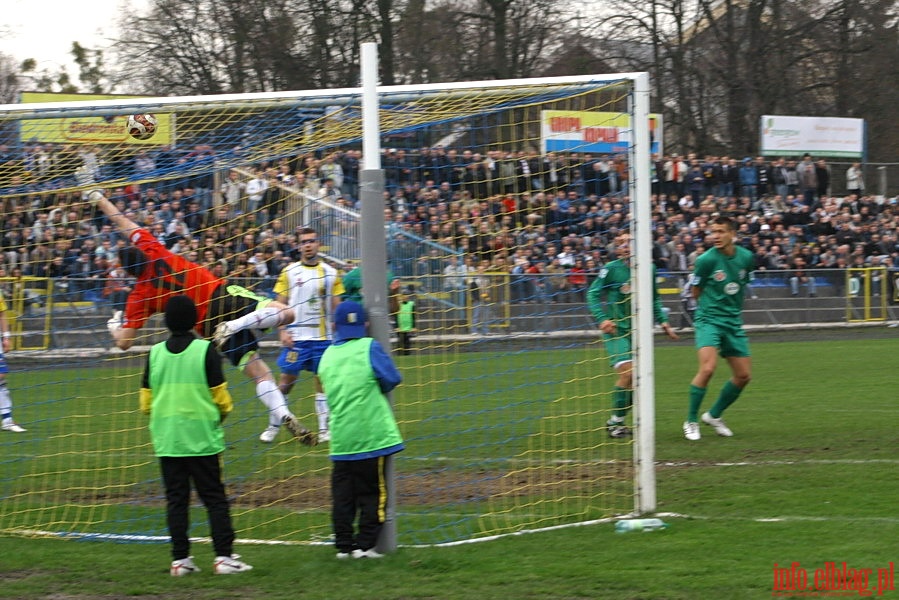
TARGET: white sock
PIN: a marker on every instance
(322, 411)
(5, 400)
(267, 391)
(264, 318)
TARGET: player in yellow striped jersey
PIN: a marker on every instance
(312, 288)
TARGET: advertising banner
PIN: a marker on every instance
(86, 130)
(818, 136)
(593, 132)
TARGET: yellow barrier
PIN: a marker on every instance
(23, 295)
(866, 294)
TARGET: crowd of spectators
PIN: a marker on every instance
(546, 220)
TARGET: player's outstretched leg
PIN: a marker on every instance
(268, 317)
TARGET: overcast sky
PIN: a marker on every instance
(45, 29)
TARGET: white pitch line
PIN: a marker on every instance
(783, 518)
(781, 463)
(572, 461)
(606, 520)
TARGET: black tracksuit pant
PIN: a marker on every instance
(358, 487)
(206, 474)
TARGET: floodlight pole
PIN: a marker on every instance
(374, 249)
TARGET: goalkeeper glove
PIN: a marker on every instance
(115, 323)
(83, 176)
(95, 196)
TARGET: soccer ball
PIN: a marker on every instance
(142, 127)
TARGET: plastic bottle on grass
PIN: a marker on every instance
(626, 525)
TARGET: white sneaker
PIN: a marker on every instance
(370, 553)
(691, 431)
(324, 435)
(226, 565)
(268, 436)
(10, 425)
(720, 427)
(222, 333)
(344, 555)
(95, 196)
(183, 567)
(620, 431)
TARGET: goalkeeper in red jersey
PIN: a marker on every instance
(609, 301)
(161, 274)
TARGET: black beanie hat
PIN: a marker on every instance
(180, 314)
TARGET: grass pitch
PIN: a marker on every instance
(809, 478)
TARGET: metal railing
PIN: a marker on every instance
(44, 312)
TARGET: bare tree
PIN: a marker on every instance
(9, 79)
(478, 39)
(654, 36)
(214, 46)
(718, 65)
(864, 41)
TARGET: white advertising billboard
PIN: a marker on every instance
(819, 136)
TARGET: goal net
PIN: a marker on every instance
(520, 186)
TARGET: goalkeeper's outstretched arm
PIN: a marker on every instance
(124, 338)
(123, 223)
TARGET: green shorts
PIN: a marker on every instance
(730, 340)
(618, 347)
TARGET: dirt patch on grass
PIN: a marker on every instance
(443, 486)
(424, 487)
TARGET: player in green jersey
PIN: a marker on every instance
(609, 300)
(718, 280)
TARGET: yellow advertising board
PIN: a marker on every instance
(87, 130)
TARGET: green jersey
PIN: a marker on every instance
(405, 318)
(609, 296)
(356, 374)
(184, 419)
(722, 279)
